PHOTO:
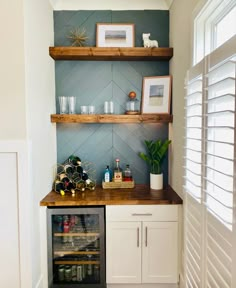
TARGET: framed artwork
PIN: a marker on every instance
(156, 95)
(115, 35)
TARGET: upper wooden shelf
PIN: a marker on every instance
(111, 118)
(110, 53)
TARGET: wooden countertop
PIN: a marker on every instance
(139, 195)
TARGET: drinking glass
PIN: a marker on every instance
(108, 107)
(111, 107)
(91, 109)
(72, 102)
(84, 109)
(63, 103)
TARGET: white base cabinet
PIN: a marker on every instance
(159, 252)
(123, 252)
(141, 244)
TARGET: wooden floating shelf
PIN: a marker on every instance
(111, 53)
(111, 118)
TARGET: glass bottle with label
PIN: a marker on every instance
(117, 171)
(127, 174)
(107, 175)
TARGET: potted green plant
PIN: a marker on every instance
(156, 152)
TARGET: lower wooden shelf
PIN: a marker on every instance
(111, 118)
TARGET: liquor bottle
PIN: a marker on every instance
(107, 175)
(117, 172)
(127, 174)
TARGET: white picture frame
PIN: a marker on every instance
(115, 35)
(156, 95)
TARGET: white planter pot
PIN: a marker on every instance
(156, 181)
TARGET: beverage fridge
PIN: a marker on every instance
(76, 248)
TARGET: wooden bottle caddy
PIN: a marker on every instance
(118, 185)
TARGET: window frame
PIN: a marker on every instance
(204, 26)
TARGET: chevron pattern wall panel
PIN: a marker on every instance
(93, 82)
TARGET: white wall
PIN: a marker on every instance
(180, 38)
(27, 100)
(40, 96)
(12, 92)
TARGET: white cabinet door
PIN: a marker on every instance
(160, 252)
(123, 252)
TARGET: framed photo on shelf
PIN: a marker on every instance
(115, 35)
(156, 95)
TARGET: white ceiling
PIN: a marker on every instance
(110, 5)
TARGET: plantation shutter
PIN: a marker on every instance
(219, 164)
(209, 170)
(193, 175)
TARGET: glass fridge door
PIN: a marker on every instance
(76, 247)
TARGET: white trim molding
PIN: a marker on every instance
(107, 5)
(21, 148)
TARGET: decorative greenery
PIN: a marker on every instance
(78, 37)
(156, 152)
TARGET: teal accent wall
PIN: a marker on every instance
(93, 82)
